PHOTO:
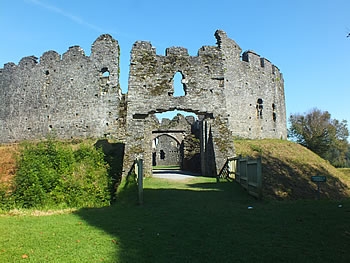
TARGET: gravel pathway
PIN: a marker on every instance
(173, 174)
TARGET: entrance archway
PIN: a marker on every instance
(151, 91)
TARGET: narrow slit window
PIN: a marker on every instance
(259, 108)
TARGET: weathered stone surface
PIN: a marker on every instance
(233, 94)
(174, 142)
(69, 97)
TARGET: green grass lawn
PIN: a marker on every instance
(197, 220)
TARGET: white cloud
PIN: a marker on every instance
(76, 19)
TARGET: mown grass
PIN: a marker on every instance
(196, 220)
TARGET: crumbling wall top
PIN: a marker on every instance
(50, 57)
(104, 45)
(176, 51)
(28, 62)
(144, 45)
(223, 41)
(73, 53)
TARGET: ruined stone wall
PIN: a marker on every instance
(233, 93)
(167, 151)
(255, 89)
(72, 96)
(179, 140)
(151, 90)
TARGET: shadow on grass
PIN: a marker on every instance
(173, 225)
(211, 222)
(285, 179)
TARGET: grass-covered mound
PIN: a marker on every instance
(55, 174)
(287, 168)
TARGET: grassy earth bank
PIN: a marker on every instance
(287, 168)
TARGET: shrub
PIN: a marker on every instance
(51, 174)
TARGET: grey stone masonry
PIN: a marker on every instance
(75, 96)
(234, 94)
(255, 88)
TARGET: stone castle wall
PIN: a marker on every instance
(255, 89)
(72, 96)
(78, 96)
(151, 90)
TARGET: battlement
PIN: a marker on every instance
(176, 51)
(256, 61)
(28, 62)
(50, 57)
(104, 43)
(144, 45)
(73, 53)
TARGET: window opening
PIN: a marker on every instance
(259, 108)
(274, 117)
(171, 114)
(162, 155)
(105, 72)
(178, 85)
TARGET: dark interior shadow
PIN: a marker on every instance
(211, 160)
(114, 156)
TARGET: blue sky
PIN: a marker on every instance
(305, 39)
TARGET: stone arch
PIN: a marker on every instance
(150, 92)
(177, 137)
(166, 151)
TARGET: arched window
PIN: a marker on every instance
(105, 72)
(162, 155)
(178, 85)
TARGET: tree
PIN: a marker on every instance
(318, 132)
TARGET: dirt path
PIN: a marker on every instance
(173, 174)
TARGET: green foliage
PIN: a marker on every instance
(52, 174)
(324, 136)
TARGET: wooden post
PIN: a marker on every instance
(140, 180)
(259, 177)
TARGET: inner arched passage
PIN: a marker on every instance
(176, 142)
(166, 151)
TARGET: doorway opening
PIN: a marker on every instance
(176, 142)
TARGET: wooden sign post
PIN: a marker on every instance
(318, 179)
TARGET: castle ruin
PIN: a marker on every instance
(78, 96)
